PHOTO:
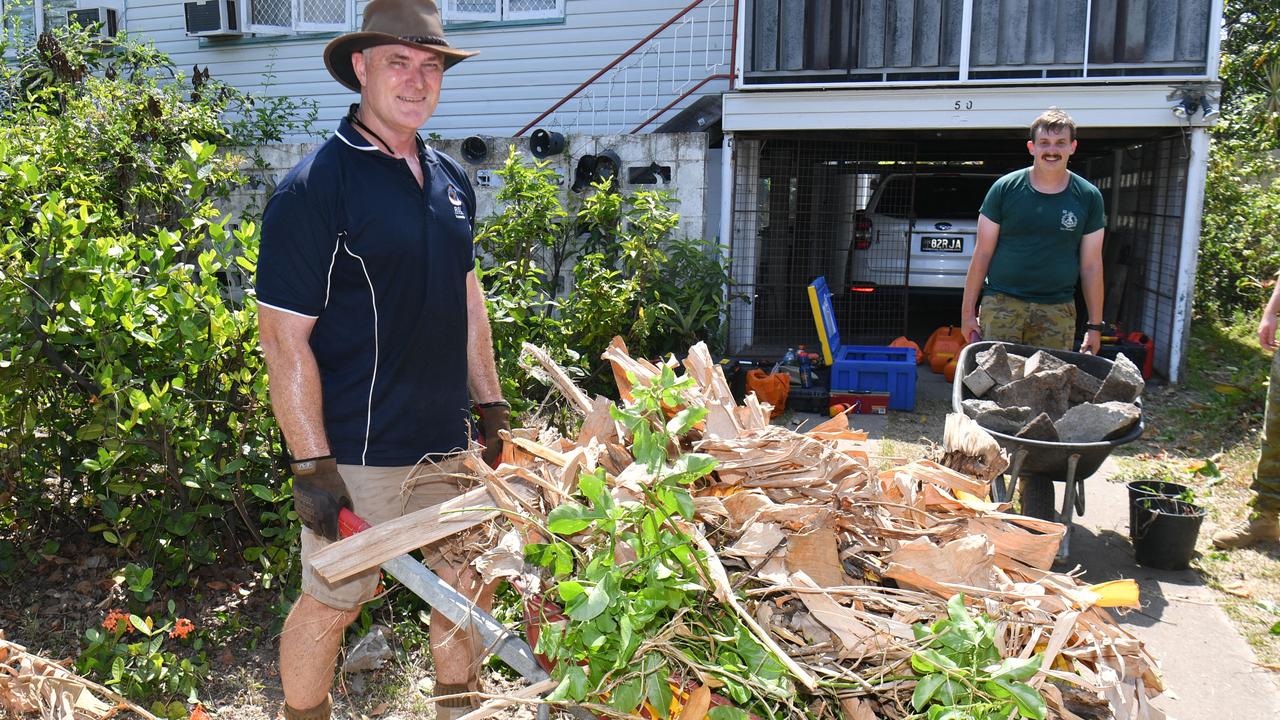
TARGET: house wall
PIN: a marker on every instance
(520, 72)
(684, 153)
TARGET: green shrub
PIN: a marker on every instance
(1239, 254)
(632, 277)
(132, 394)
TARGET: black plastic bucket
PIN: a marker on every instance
(1139, 489)
(1165, 531)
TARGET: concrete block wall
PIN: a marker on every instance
(686, 154)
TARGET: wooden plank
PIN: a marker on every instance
(1131, 31)
(369, 549)
(1102, 32)
(1042, 32)
(900, 19)
(1069, 40)
(791, 35)
(764, 49)
(986, 32)
(927, 35)
(952, 26)
(817, 32)
(1193, 30)
(871, 34)
(1162, 32)
(1013, 32)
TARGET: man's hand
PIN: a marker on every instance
(1267, 331)
(318, 494)
(493, 418)
(971, 328)
(1092, 342)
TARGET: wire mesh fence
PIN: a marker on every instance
(801, 212)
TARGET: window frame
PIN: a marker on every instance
(295, 27)
(37, 12)
(502, 13)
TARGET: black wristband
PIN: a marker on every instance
(495, 403)
(1095, 326)
(306, 466)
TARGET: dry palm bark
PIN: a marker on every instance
(837, 561)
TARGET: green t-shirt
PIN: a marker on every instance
(1037, 257)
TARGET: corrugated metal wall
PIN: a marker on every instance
(920, 39)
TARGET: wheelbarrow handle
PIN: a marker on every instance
(350, 523)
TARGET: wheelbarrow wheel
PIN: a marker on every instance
(1035, 497)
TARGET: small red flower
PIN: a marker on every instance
(182, 628)
(117, 621)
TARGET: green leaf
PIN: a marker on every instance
(1015, 668)
(656, 689)
(1275, 629)
(926, 687)
(727, 712)
(592, 487)
(690, 467)
(1030, 704)
(569, 590)
(684, 420)
(570, 519)
(627, 695)
(597, 600)
(927, 661)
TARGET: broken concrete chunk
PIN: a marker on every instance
(1041, 428)
(990, 415)
(1092, 422)
(995, 363)
(1044, 392)
(1016, 364)
(1123, 384)
(979, 382)
(1041, 361)
(1084, 386)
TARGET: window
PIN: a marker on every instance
(283, 17)
(458, 11)
(28, 18)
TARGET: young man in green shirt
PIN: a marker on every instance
(1039, 231)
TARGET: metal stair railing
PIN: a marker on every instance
(692, 50)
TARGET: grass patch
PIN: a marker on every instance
(1205, 433)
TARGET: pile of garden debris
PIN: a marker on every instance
(33, 684)
(1045, 398)
(837, 561)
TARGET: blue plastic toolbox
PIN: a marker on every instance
(862, 368)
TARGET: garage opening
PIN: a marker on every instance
(889, 219)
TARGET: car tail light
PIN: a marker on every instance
(861, 232)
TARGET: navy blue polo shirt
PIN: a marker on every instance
(350, 239)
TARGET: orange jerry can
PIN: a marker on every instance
(946, 340)
(902, 341)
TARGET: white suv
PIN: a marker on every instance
(939, 229)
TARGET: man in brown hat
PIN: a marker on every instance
(376, 337)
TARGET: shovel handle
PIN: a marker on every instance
(350, 523)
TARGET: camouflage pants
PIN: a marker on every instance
(1266, 483)
(1008, 319)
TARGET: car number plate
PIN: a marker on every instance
(941, 244)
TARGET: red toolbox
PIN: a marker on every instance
(864, 403)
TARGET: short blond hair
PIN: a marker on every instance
(1055, 119)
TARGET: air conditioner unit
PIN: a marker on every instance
(212, 18)
(103, 18)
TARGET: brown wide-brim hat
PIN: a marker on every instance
(415, 23)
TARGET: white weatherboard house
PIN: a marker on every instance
(818, 102)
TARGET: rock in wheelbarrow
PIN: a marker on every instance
(1095, 422)
(1123, 384)
(1044, 392)
(1040, 428)
(995, 363)
(990, 415)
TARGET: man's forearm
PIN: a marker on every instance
(293, 380)
(482, 371)
(1092, 286)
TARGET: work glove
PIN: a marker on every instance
(318, 494)
(494, 416)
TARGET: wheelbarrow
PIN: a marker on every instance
(1034, 465)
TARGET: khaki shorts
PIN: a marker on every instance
(379, 494)
(1008, 319)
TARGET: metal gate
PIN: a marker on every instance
(800, 211)
(1145, 188)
